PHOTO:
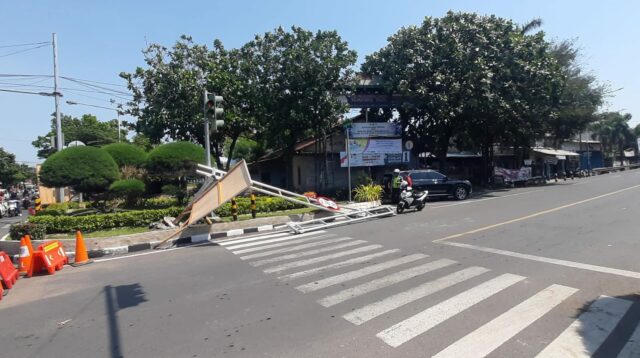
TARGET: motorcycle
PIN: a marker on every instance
(14, 208)
(410, 198)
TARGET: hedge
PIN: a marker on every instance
(88, 223)
(36, 231)
(264, 204)
(57, 209)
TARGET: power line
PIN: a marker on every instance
(16, 91)
(29, 44)
(21, 75)
(21, 51)
(82, 83)
(104, 83)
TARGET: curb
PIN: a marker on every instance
(183, 241)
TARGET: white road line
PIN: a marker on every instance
(382, 282)
(250, 244)
(585, 335)
(151, 252)
(6, 226)
(632, 348)
(480, 200)
(293, 248)
(352, 275)
(336, 265)
(573, 264)
(280, 244)
(492, 335)
(373, 310)
(226, 242)
(305, 253)
(431, 317)
(315, 260)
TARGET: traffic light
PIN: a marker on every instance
(214, 110)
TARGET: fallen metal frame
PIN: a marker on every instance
(341, 219)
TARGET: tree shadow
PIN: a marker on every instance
(620, 336)
(117, 298)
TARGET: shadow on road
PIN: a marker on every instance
(594, 318)
(125, 296)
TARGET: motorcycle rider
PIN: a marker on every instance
(396, 183)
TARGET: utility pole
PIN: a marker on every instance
(56, 94)
(207, 144)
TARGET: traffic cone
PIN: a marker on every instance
(26, 255)
(82, 258)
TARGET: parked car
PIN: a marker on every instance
(438, 184)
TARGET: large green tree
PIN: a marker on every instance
(613, 131)
(86, 129)
(168, 93)
(12, 172)
(297, 78)
(580, 96)
(474, 79)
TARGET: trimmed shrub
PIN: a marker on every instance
(264, 204)
(159, 202)
(173, 160)
(57, 209)
(17, 231)
(126, 154)
(128, 189)
(86, 169)
(88, 223)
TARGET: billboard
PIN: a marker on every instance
(375, 145)
(369, 130)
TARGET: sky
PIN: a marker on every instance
(99, 39)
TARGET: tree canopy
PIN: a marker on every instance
(173, 160)
(613, 131)
(126, 154)
(86, 129)
(12, 172)
(85, 169)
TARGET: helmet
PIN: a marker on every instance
(396, 171)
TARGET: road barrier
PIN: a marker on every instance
(8, 272)
(234, 209)
(253, 205)
(49, 256)
(38, 205)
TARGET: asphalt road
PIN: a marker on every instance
(6, 222)
(532, 272)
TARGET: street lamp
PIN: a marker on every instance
(118, 112)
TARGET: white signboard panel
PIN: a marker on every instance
(369, 130)
(375, 145)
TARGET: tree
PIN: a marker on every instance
(86, 129)
(11, 172)
(85, 169)
(131, 190)
(579, 99)
(614, 132)
(297, 78)
(126, 154)
(172, 162)
(167, 95)
(476, 80)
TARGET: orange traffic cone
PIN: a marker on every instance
(82, 258)
(26, 254)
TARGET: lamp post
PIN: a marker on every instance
(118, 112)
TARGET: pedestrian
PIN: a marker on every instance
(396, 182)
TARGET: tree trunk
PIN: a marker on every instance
(288, 165)
(216, 154)
(621, 155)
(230, 154)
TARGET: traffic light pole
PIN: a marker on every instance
(56, 94)
(207, 142)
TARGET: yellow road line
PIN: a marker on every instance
(539, 213)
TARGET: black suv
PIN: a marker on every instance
(438, 184)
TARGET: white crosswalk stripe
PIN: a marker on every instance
(431, 317)
(632, 348)
(382, 282)
(233, 246)
(306, 253)
(293, 248)
(336, 265)
(492, 335)
(280, 244)
(298, 256)
(585, 335)
(315, 260)
(390, 303)
(352, 275)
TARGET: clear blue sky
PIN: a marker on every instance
(99, 39)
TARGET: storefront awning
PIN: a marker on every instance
(556, 152)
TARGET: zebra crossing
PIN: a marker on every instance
(341, 269)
